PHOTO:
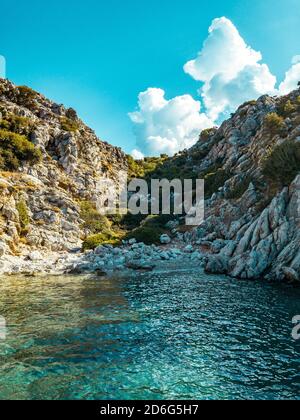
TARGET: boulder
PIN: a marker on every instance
(291, 274)
(35, 256)
(165, 239)
(189, 249)
(217, 264)
(140, 265)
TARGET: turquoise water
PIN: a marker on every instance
(182, 335)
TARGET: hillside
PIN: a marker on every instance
(50, 164)
(251, 166)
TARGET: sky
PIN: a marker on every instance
(130, 68)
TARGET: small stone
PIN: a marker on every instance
(189, 249)
(35, 256)
(165, 239)
(140, 265)
(291, 274)
(196, 256)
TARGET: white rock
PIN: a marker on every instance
(35, 256)
(165, 239)
(165, 256)
(2, 250)
(189, 249)
(196, 256)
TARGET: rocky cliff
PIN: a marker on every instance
(40, 199)
(51, 163)
(251, 165)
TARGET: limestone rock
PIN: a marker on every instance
(165, 239)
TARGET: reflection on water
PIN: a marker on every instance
(152, 336)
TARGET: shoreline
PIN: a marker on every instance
(104, 260)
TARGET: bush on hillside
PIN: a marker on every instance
(104, 238)
(274, 123)
(69, 125)
(283, 163)
(16, 149)
(239, 190)
(214, 178)
(71, 114)
(206, 134)
(23, 215)
(94, 222)
(16, 124)
(147, 234)
(27, 97)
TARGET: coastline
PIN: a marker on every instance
(102, 261)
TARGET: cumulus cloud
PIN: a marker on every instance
(137, 154)
(167, 126)
(292, 77)
(230, 72)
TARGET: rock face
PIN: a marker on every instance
(251, 228)
(252, 225)
(268, 245)
(74, 161)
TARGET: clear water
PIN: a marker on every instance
(180, 335)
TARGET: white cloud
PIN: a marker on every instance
(224, 52)
(296, 59)
(230, 72)
(292, 77)
(167, 126)
(137, 155)
(229, 69)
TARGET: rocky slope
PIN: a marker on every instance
(251, 166)
(40, 202)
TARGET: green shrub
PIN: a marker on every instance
(214, 181)
(286, 107)
(104, 238)
(130, 221)
(69, 125)
(94, 222)
(23, 215)
(27, 97)
(71, 114)
(16, 124)
(274, 123)
(240, 189)
(283, 163)
(15, 149)
(248, 103)
(146, 167)
(206, 134)
(147, 234)
(289, 109)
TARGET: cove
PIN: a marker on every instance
(177, 334)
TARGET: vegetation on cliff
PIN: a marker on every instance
(16, 149)
(283, 163)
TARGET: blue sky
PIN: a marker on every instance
(97, 55)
